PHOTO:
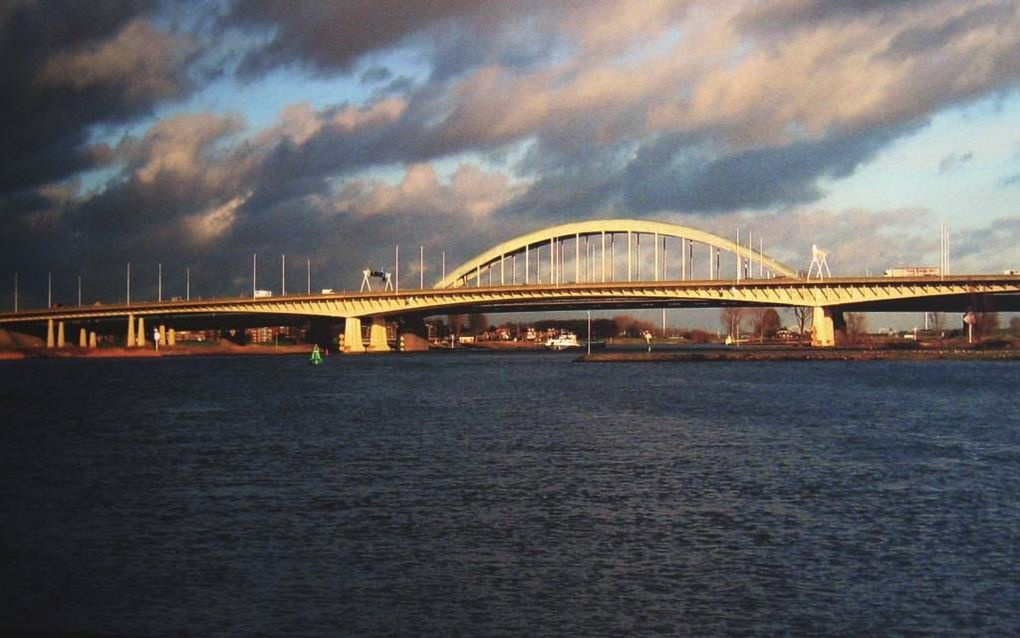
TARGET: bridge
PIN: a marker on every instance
(592, 265)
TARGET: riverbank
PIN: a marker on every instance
(806, 354)
(208, 350)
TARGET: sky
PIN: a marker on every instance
(192, 135)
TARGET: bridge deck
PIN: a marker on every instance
(955, 293)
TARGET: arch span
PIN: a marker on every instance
(552, 238)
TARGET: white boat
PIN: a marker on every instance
(562, 341)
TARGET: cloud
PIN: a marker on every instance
(70, 67)
(143, 62)
(331, 36)
(210, 225)
(952, 162)
(470, 192)
(713, 112)
(1012, 180)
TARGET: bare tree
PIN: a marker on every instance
(801, 314)
(856, 327)
(765, 322)
(986, 324)
(456, 323)
(477, 323)
(731, 319)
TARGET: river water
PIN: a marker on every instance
(481, 494)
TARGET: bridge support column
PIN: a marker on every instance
(377, 336)
(131, 331)
(162, 334)
(92, 339)
(49, 334)
(826, 321)
(83, 338)
(352, 335)
(140, 333)
(60, 334)
(171, 337)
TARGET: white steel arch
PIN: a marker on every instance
(549, 239)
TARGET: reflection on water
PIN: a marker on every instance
(509, 493)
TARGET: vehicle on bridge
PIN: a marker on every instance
(913, 271)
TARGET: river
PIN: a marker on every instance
(509, 493)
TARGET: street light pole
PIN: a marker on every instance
(159, 285)
(254, 273)
(129, 283)
(187, 285)
(79, 290)
(49, 290)
(589, 332)
(283, 275)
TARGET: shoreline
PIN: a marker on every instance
(74, 352)
(809, 354)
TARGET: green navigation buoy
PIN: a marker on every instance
(316, 357)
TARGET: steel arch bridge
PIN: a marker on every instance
(592, 283)
(598, 263)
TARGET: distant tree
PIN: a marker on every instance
(766, 322)
(986, 324)
(477, 323)
(801, 314)
(856, 327)
(628, 326)
(456, 324)
(731, 319)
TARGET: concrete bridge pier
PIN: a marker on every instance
(131, 331)
(140, 334)
(83, 338)
(171, 337)
(92, 339)
(826, 321)
(377, 336)
(49, 334)
(352, 336)
(60, 334)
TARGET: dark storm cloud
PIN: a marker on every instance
(790, 14)
(66, 66)
(667, 176)
(920, 39)
(376, 74)
(328, 36)
(706, 128)
(682, 173)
